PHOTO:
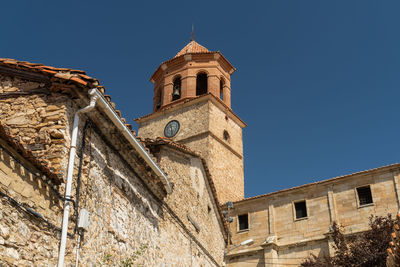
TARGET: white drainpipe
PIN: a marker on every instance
(112, 115)
(70, 172)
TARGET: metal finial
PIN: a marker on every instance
(192, 38)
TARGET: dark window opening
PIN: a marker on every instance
(243, 222)
(176, 92)
(158, 99)
(221, 89)
(226, 135)
(301, 209)
(364, 195)
(201, 84)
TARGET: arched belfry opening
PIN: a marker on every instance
(176, 91)
(158, 99)
(201, 84)
(221, 88)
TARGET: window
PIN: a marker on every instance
(201, 84)
(176, 92)
(221, 89)
(158, 99)
(301, 209)
(226, 135)
(243, 221)
(364, 195)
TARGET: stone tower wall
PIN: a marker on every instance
(202, 127)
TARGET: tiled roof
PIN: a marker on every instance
(192, 47)
(322, 182)
(148, 142)
(78, 77)
(40, 164)
(66, 75)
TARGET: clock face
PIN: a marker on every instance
(171, 129)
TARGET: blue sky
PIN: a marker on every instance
(317, 82)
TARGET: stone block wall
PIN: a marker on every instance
(37, 117)
(193, 120)
(192, 197)
(273, 216)
(25, 239)
(202, 126)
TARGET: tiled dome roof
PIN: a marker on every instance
(192, 47)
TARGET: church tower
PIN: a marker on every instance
(192, 106)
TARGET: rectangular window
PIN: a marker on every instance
(243, 221)
(364, 195)
(301, 209)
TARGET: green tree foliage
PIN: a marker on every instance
(366, 249)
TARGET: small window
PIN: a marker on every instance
(221, 89)
(243, 221)
(201, 84)
(176, 92)
(301, 209)
(226, 135)
(158, 99)
(364, 195)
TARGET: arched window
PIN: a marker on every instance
(176, 92)
(158, 100)
(201, 84)
(221, 89)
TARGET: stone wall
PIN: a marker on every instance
(193, 120)
(291, 239)
(192, 197)
(202, 126)
(37, 117)
(130, 218)
(24, 238)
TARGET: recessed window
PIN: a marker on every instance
(226, 135)
(301, 209)
(243, 221)
(221, 89)
(158, 100)
(364, 195)
(201, 84)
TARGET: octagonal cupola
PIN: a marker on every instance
(193, 72)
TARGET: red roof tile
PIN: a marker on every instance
(79, 77)
(192, 47)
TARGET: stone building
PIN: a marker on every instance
(157, 209)
(156, 198)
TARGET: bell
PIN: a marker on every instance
(176, 92)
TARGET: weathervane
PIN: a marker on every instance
(192, 38)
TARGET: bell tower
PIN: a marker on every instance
(192, 106)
